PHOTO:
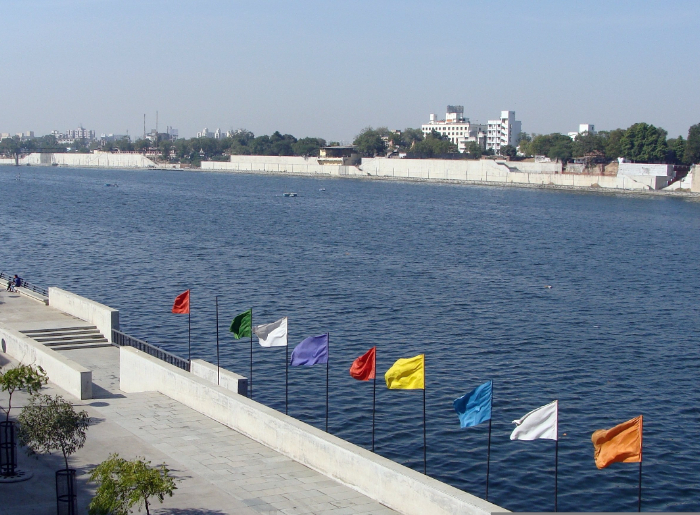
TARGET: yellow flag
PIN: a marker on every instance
(407, 374)
(622, 443)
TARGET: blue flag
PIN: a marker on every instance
(475, 407)
(312, 351)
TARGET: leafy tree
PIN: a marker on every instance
(561, 149)
(369, 142)
(644, 143)
(474, 149)
(612, 141)
(124, 144)
(691, 154)
(588, 143)
(676, 150)
(21, 377)
(434, 144)
(509, 151)
(165, 148)
(141, 145)
(124, 484)
(410, 136)
(51, 424)
(523, 137)
(10, 146)
(308, 146)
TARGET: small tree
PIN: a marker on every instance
(21, 377)
(123, 484)
(51, 424)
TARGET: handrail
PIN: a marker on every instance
(25, 284)
(124, 340)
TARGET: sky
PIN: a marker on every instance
(330, 68)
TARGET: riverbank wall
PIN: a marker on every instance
(484, 171)
(94, 160)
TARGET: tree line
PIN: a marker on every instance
(641, 142)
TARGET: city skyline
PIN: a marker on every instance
(314, 69)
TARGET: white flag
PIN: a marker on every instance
(540, 423)
(272, 335)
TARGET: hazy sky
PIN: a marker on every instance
(329, 68)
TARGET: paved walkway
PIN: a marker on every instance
(219, 471)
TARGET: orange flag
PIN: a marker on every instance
(363, 368)
(621, 444)
(182, 303)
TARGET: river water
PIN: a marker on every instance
(455, 272)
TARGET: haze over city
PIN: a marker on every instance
(328, 69)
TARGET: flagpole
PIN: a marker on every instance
(251, 353)
(374, 401)
(189, 332)
(556, 472)
(218, 366)
(327, 360)
(488, 448)
(286, 378)
(425, 460)
(641, 447)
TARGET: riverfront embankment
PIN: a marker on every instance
(230, 454)
(633, 177)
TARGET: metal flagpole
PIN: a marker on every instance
(425, 454)
(218, 366)
(556, 472)
(374, 401)
(327, 360)
(488, 462)
(286, 378)
(251, 353)
(641, 447)
(189, 330)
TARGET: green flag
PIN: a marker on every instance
(242, 325)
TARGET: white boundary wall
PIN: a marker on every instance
(482, 171)
(94, 160)
(72, 377)
(229, 380)
(103, 317)
(381, 479)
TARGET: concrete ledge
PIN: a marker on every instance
(228, 380)
(33, 295)
(389, 483)
(63, 372)
(103, 317)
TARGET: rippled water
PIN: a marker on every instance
(457, 273)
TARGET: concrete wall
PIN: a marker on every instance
(95, 160)
(103, 317)
(274, 164)
(636, 169)
(63, 372)
(391, 484)
(233, 382)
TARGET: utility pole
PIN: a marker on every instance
(144, 125)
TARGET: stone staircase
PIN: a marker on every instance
(69, 338)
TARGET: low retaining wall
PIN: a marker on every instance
(233, 382)
(103, 317)
(389, 483)
(63, 372)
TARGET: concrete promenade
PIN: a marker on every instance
(219, 470)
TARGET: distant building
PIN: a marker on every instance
(217, 134)
(583, 128)
(347, 156)
(71, 135)
(503, 132)
(457, 128)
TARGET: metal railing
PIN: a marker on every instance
(124, 340)
(25, 284)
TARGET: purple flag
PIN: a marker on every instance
(311, 351)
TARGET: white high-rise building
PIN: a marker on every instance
(457, 128)
(503, 132)
(583, 128)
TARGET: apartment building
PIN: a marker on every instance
(457, 128)
(503, 131)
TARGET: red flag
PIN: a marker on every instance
(182, 303)
(363, 368)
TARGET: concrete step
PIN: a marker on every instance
(32, 332)
(85, 336)
(75, 342)
(89, 346)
